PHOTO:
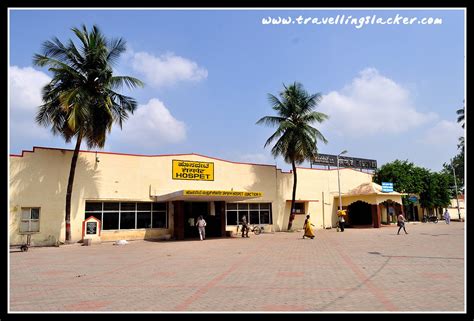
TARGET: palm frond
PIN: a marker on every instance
(296, 138)
(79, 100)
(117, 82)
(116, 47)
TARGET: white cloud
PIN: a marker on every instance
(150, 126)
(25, 87)
(166, 69)
(444, 133)
(25, 97)
(371, 104)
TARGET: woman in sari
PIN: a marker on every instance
(308, 230)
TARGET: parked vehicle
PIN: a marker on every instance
(25, 245)
(430, 218)
(252, 228)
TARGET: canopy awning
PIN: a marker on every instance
(370, 193)
(207, 195)
(370, 188)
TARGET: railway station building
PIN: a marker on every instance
(160, 196)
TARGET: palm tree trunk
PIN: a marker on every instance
(292, 214)
(69, 187)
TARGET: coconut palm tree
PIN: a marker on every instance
(81, 100)
(296, 138)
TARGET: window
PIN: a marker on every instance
(128, 215)
(111, 220)
(29, 219)
(159, 220)
(254, 217)
(256, 213)
(231, 217)
(144, 220)
(127, 220)
(158, 215)
(299, 208)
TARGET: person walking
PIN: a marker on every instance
(201, 224)
(401, 223)
(342, 221)
(308, 228)
(245, 227)
(447, 217)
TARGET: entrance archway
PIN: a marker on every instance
(359, 213)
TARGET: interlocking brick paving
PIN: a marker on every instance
(355, 270)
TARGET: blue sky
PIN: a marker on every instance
(391, 91)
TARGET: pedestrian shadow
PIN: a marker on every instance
(434, 234)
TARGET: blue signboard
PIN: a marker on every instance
(413, 199)
(387, 187)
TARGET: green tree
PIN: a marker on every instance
(405, 176)
(81, 101)
(434, 189)
(427, 196)
(442, 189)
(458, 163)
(437, 190)
(296, 138)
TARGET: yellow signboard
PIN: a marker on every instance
(222, 193)
(191, 170)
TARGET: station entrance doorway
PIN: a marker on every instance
(213, 217)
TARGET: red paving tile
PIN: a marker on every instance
(358, 270)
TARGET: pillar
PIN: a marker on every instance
(220, 212)
(178, 232)
(376, 216)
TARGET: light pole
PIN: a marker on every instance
(456, 186)
(338, 179)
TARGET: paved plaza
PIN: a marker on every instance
(357, 270)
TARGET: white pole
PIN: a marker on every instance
(456, 186)
(339, 184)
(339, 180)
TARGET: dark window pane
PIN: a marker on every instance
(231, 206)
(159, 220)
(299, 208)
(127, 220)
(254, 217)
(96, 215)
(159, 206)
(110, 221)
(265, 206)
(265, 217)
(93, 206)
(144, 206)
(243, 206)
(127, 207)
(253, 206)
(232, 218)
(242, 214)
(35, 213)
(111, 206)
(143, 220)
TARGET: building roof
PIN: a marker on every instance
(370, 188)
